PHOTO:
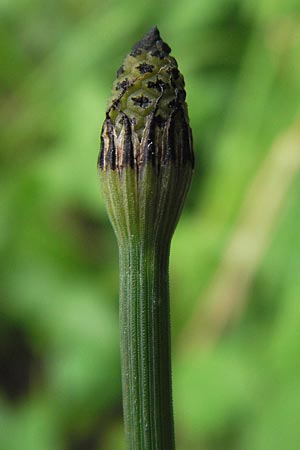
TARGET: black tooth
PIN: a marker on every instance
(177, 138)
(128, 147)
(100, 161)
(185, 137)
(170, 141)
(111, 153)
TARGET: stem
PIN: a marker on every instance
(145, 346)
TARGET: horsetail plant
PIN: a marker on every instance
(145, 166)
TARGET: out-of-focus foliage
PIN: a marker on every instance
(235, 262)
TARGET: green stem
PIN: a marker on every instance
(145, 346)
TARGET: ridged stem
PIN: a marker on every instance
(145, 346)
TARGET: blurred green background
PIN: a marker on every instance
(235, 261)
